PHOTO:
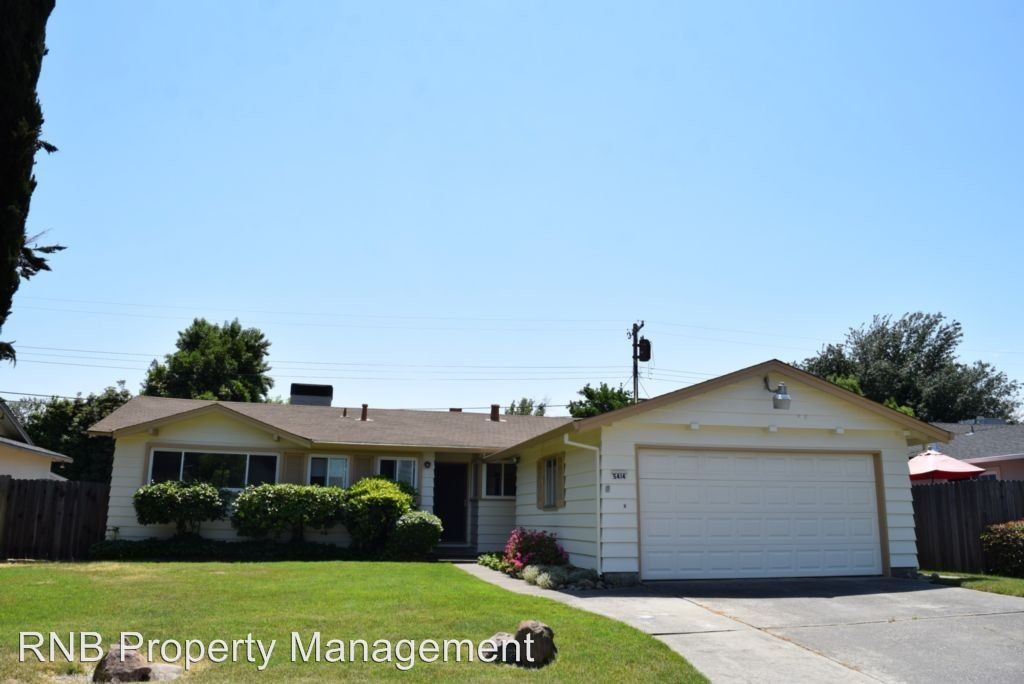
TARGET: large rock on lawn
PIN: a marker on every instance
(542, 646)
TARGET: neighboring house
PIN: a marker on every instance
(19, 457)
(999, 449)
(710, 481)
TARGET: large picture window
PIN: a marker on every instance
(329, 471)
(500, 479)
(398, 469)
(228, 470)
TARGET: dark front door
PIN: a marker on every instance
(450, 483)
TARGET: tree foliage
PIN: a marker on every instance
(22, 46)
(225, 362)
(598, 400)
(59, 425)
(910, 364)
(526, 407)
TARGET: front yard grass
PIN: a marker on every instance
(994, 584)
(343, 600)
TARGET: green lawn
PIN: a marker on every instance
(343, 600)
(995, 584)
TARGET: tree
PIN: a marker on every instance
(601, 399)
(526, 407)
(226, 362)
(910, 364)
(60, 424)
(22, 46)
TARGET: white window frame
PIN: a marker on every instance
(415, 469)
(502, 465)
(348, 468)
(214, 450)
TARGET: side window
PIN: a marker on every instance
(500, 479)
(551, 482)
(399, 469)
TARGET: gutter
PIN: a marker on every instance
(597, 477)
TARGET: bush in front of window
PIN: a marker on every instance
(186, 504)
(415, 535)
(372, 509)
(533, 547)
(1004, 548)
(269, 510)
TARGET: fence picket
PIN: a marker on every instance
(51, 519)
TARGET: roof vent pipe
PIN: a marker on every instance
(494, 412)
(362, 416)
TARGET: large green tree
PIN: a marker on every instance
(598, 400)
(527, 407)
(22, 46)
(60, 425)
(911, 363)
(226, 362)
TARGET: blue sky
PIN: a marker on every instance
(454, 204)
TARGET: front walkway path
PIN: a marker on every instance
(723, 648)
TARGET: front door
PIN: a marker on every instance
(450, 484)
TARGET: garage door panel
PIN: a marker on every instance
(757, 515)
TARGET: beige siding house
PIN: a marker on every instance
(733, 477)
(19, 457)
(715, 481)
(237, 444)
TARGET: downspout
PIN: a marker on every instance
(597, 476)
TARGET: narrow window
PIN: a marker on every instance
(551, 483)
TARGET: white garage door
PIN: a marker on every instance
(717, 514)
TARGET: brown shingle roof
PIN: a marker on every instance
(325, 424)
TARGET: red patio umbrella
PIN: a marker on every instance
(932, 465)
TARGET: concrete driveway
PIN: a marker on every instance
(841, 629)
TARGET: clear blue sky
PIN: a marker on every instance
(454, 204)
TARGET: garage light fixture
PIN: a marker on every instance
(780, 395)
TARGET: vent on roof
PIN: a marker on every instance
(494, 412)
(311, 395)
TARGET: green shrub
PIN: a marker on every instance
(533, 547)
(495, 561)
(1004, 548)
(577, 575)
(415, 535)
(373, 506)
(186, 505)
(531, 572)
(552, 577)
(194, 548)
(269, 510)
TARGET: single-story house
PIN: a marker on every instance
(19, 457)
(998, 448)
(765, 472)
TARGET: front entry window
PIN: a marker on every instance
(398, 469)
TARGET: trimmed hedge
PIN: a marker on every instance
(373, 506)
(269, 510)
(415, 536)
(1004, 548)
(195, 548)
(186, 505)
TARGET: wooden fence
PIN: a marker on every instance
(51, 519)
(951, 517)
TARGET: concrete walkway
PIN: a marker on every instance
(836, 630)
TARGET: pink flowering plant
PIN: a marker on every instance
(532, 547)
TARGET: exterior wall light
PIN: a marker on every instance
(780, 395)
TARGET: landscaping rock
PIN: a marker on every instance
(503, 647)
(134, 667)
(542, 648)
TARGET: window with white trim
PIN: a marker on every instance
(500, 479)
(398, 469)
(328, 471)
(227, 470)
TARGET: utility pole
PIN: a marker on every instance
(641, 352)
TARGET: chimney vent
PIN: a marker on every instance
(311, 395)
(494, 412)
(362, 416)
(454, 410)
